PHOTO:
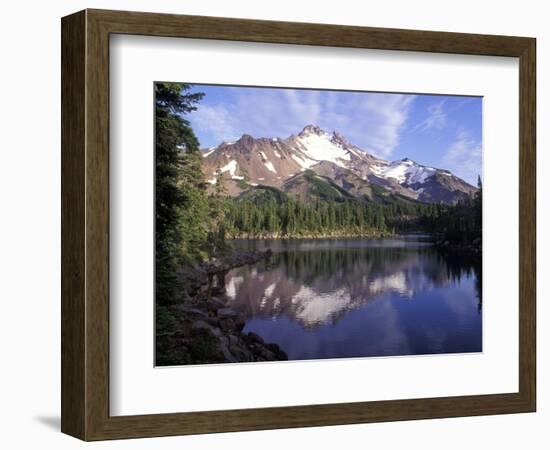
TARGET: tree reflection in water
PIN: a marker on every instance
(338, 298)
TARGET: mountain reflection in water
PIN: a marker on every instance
(352, 298)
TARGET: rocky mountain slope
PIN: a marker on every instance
(314, 162)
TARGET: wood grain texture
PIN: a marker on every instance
(527, 223)
(73, 320)
(85, 224)
(97, 225)
(201, 27)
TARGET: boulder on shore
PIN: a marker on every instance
(200, 328)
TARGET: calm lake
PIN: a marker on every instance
(353, 298)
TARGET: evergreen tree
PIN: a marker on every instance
(179, 186)
(217, 208)
(268, 212)
(478, 200)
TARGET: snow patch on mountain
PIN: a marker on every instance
(419, 174)
(403, 171)
(320, 147)
(230, 167)
(333, 156)
(304, 162)
(270, 166)
(209, 152)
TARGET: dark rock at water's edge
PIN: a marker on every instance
(201, 328)
(188, 336)
(236, 258)
(206, 279)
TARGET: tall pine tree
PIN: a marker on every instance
(180, 194)
(217, 209)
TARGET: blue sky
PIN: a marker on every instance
(435, 130)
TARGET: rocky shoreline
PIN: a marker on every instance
(202, 329)
(334, 235)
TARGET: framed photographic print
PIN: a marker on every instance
(268, 224)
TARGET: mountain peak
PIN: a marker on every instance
(271, 161)
(409, 161)
(246, 139)
(312, 129)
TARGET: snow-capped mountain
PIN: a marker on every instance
(278, 163)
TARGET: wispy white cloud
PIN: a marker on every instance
(371, 121)
(463, 157)
(384, 119)
(303, 104)
(217, 120)
(436, 119)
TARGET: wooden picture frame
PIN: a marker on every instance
(85, 224)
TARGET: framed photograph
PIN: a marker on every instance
(273, 225)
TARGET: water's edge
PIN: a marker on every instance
(311, 298)
(202, 329)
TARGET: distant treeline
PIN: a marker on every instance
(269, 213)
(459, 224)
(294, 218)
